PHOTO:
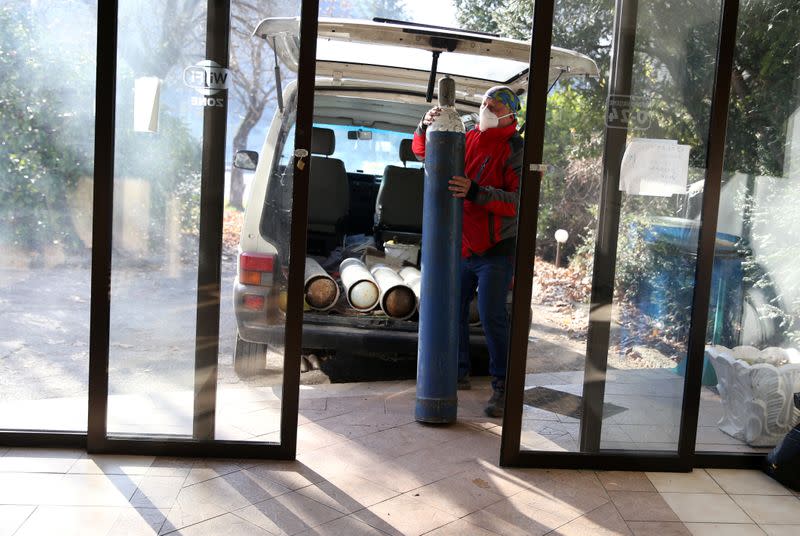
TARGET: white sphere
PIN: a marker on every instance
(561, 236)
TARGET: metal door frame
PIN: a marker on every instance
(208, 293)
(96, 439)
(605, 262)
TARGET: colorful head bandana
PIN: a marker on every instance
(505, 95)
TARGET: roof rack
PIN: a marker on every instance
(432, 27)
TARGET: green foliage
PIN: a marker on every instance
(770, 270)
(674, 71)
(764, 86)
(45, 131)
(478, 15)
(362, 9)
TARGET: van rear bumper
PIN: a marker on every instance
(377, 336)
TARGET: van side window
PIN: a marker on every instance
(286, 153)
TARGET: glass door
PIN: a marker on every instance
(159, 383)
(603, 346)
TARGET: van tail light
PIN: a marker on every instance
(256, 268)
(253, 302)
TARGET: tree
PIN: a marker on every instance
(253, 87)
(251, 63)
(45, 128)
(674, 69)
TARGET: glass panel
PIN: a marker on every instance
(752, 365)
(568, 209)
(666, 112)
(674, 66)
(156, 216)
(47, 57)
(256, 231)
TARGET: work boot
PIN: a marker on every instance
(464, 384)
(494, 408)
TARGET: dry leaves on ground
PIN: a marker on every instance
(231, 230)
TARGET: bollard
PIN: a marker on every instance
(440, 290)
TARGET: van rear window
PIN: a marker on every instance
(368, 156)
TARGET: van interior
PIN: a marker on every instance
(364, 185)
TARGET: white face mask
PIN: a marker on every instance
(488, 119)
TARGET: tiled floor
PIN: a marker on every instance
(650, 401)
(365, 467)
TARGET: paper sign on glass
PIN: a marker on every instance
(654, 167)
(146, 96)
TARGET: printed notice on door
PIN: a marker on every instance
(654, 167)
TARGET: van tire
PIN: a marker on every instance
(249, 358)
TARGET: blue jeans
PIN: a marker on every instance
(492, 277)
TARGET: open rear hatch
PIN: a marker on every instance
(370, 53)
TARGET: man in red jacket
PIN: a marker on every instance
(493, 166)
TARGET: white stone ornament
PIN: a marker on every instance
(757, 389)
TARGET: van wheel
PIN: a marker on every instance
(249, 358)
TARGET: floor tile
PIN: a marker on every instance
(495, 479)
(70, 521)
(344, 526)
(402, 440)
(705, 508)
(290, 474)
(403, 515)
(698, 481)
(92, 490)
(223, 524)
(625, 481)
(458, 495)
(139, 522)
(603, 521)
(515, 517)
(347, 456)
(313, 436)
(461, 528)
(18, 460)
(12, 517)
(101, 464)
(347, 493)
(206, 500)
(359, 424)
(658, 528)
(206, 469)
(741, 482)
(562, 501)
(781, 530)
(170, 466)
(562, 482)
(728, 529)
(157, 491)
(289, 513)
(770, 509)
(26, 488)
(642, 506)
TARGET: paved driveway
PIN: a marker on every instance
(44, 331)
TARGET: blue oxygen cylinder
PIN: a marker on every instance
(440, 292)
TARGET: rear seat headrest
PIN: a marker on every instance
(406, 154)
(323, 141)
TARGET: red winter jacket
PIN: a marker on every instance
(493, 159)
